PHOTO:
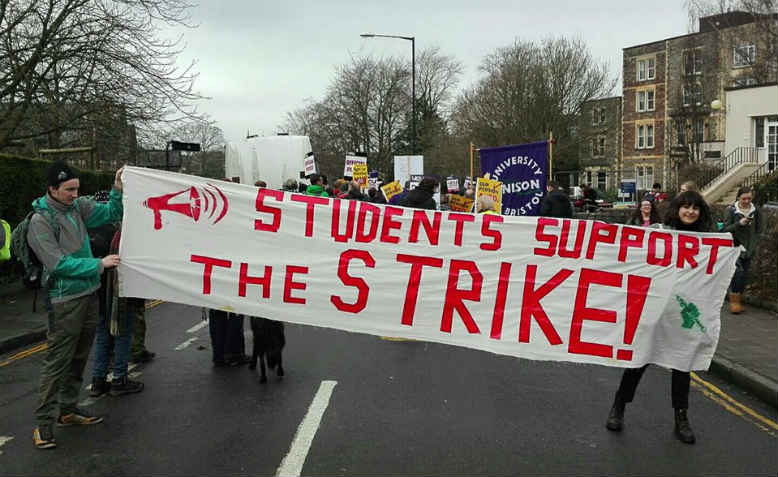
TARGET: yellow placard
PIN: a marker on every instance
(391, 189)
(491, 188)
(460, 203)
(360, 174)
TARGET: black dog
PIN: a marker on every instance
(269, 341)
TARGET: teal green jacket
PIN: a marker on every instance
(69, 266)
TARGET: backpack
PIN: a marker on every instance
(32, 277)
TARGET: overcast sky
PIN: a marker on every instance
(260, 59)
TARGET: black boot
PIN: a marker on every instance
(683, 430)
(616, 416)
(99, 387)
(125, 385)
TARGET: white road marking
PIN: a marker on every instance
(4, 440)
(186, 343)
(198, 327)
(292, 465)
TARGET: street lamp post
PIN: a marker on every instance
(413, 80)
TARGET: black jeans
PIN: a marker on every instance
(680, 386)
(740, 277)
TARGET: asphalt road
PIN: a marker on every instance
(398, 408)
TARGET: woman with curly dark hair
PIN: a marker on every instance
(688, 211)
(645, 215)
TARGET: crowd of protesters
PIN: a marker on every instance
(84, 305)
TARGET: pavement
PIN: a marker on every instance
(746, 354)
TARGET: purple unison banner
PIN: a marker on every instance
(523, 170)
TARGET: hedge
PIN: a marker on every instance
(23, 179)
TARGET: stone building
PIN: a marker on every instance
(669, 86)
(600, 133)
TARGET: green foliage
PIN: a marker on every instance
(23, 179)
(611, 195)
(766, 189)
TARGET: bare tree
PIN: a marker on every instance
(368, 108)
(530, 89)
(65, 65)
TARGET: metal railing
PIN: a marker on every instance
(719, 168)
(757, 177)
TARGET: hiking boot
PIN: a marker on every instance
(616, 416)
(683, 430)
(125, 385)
(43, 437)
(99, 387)
(78, 418)
(735, 305)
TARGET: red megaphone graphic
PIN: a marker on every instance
(190, 208)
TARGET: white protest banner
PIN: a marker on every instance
(406, 166)
(532, 287)
(350, 161)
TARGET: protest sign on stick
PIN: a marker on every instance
(532, 287)
(391, 189)
(460, 203)
(491, 188)
(348, 169)
(360, 175)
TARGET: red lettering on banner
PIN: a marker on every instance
(637, 290)
(499, 302)
(274, 211)
(455, 296)
(209, 263)
(246, 279)
(688, 248)
(431, 229)
(352, 209)
(579, 238)
(389, 224)
(364, 208)
(460, 219)
(601, 233)
(543, 237)
(290, 284)
(495, 235)
(412, 292)
(715, 243)
(667, 239)
(362, 288)
(311, 201)
(531, 307)
(582, 313)
(630, 237)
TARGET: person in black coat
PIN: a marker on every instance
(421, 196)
(556, 203)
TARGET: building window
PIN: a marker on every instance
(644, 137)
(759, 129)
(692, 61)
(602, 180)
(680, 132)
(692, 94)
(645, 100)
(645, 177)
(602, 115)
(646, 69)
(598, 146)
(698, 130)
(595, 116)
(743, 55)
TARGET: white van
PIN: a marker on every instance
(273, 159)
